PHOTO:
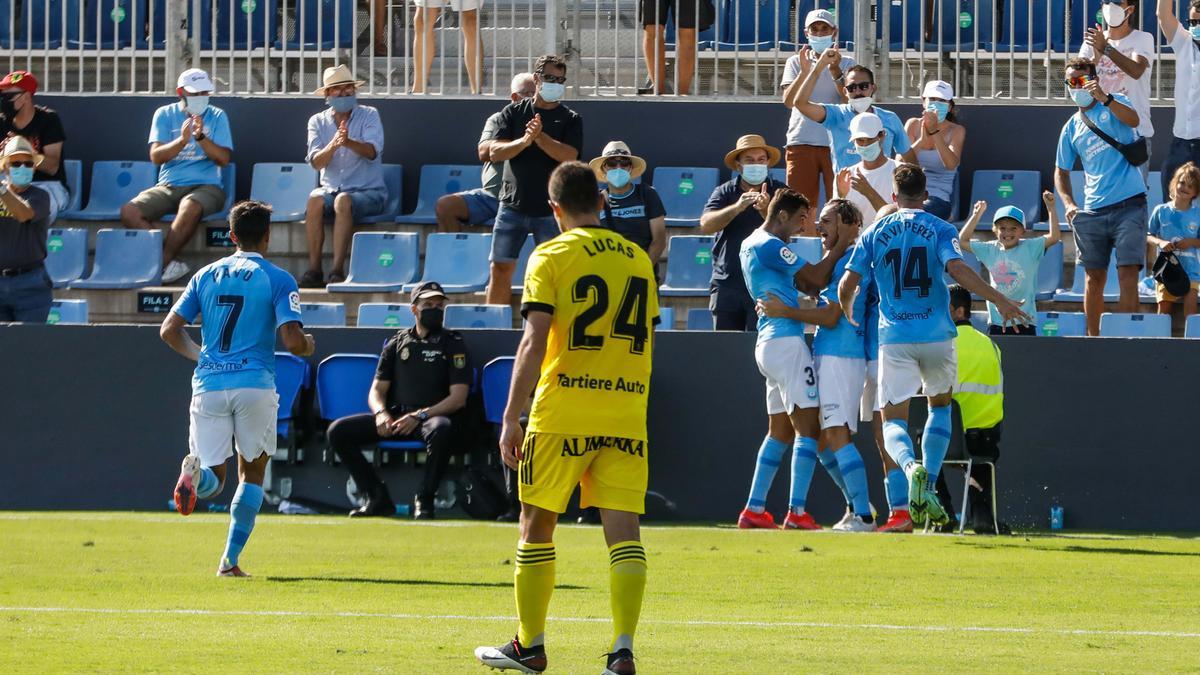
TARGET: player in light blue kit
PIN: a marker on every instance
(905, 253)
(244, 300)
(771, 268)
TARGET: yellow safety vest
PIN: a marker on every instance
(980, 390)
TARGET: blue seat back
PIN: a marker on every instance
(1049, 27)
(523, 263)
(1192, 327)
(809, 249)
(980, 320)
(478, 316)
(1135, 325)
(1062, 324)
(684, 190)
(1077, 182)
(458, 258)
(1154, 196)
(110, 24)
(666, 318)
(285, 187)
(1022, 189)
(699, 318)
(343, 382)
(252, 29)
(68, 312)
(496, 379)
(322, 314)
(1050, 271)
(66, 254)
(383, 315)
(1111, 285)
(384, 257)
(115, 183)
(6, 37)
(74, 170)
(40, 25)
(751, 22)
(956, 23)
(127, 257)
(438, 180)
(321, 24)
(689, 261)
(291, 375)
(393, 179)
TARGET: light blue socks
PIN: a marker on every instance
(246, 503)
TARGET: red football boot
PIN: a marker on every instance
(185, 487)
(749, 520)
(900, 521)
(800, 522)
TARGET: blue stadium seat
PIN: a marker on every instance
(496, 380)
(1061, 324)
(904, 24)
(6, 38)
(251, 30)
(459, 262)
(229, 185)
(1050, 273)
(285, 187)
(689, 266)
(699, 318)
(1077, 181)
(684, 192)
(518, 285)
(380, 262)
(1112, 288)
(955, 25)
(1155, 196)
(125, 259)
(343, 382)
(66, 254)
(1192, 327)
(438, 180)
(393, 178)
(316, 314)
(291, 376)
(74, 171)
(478, 316)
(809, 249)
(1048, 27)
(1135, 325)
(110, 24)
(383, 315)
(44, 20)
(1022, 189)
(113, 184)
(68, 312)
(319, 24)
(754, 24)
(666, 318)
(980, 321)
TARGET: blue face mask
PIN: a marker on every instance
(195, 105)
(617, 178)
(940, 107)
(20, 175)
(869, 153)
(1194, 31)
(820, 43)
(552, 92)
(754, 174)
(1081, 97)
(343, 104)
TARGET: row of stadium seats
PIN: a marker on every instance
(384, 315)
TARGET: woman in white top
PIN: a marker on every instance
(938, 139)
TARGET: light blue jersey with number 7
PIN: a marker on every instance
(906, 254)
(244, 299)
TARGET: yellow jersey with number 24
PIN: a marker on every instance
(595, 379)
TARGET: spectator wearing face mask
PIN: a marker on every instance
(632, 210)
(1184, 38)
(938, 139)
(860, 90)
(41, 126)
(735, 209)
(24, 215)
(865, 184)
(1124, 58)
(190, 141)
(345, 143)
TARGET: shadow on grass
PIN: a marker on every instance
(1089, 549)
(413, 582)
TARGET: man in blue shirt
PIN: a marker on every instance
(345, 143)
(191, 142)
(905, 253)
(769, 269)
(1113, 215)
(245, 301)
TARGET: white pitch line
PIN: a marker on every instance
(667, 622)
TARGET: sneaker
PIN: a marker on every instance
(750, 520)
(174, 271)
(312, 279)
(917, 494)
(855, 524)
(899, 521)
(620, 662)
(804, 521)
(185, 487)
(849, 515)
(234, 571)
(513, 656)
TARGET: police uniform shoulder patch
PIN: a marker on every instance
(788, 255)
(404, 353)
(460, 361)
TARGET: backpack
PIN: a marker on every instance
(479, 495)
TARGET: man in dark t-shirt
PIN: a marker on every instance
(735, 209)
(534, 136)
(43, 129)
(24, 209)
(421, 382)
(633, 210)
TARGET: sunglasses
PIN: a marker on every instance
(25, 164)
(554, 79)
(861, 86)
(618, 163)
(1079, 82)
(1193, 22)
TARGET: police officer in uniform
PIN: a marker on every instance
(423, 378)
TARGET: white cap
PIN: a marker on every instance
(820, 15)
(194, 81)
(938, 89)
(865, 125)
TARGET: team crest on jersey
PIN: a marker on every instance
(788, 255)
(404, 354)
(294, 301)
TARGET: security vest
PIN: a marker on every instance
(980, 390)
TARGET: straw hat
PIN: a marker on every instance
(18, 145)
(750, 142)
(336, 76)
(617, 149)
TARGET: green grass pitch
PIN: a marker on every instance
(107, 592)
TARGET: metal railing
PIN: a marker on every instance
(989, 49)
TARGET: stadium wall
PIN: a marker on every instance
(445, 131)
(96, 418)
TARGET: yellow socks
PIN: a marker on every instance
(627, 580)
(535, 584)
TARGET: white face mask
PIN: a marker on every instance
(1114, 15)
(861, 105)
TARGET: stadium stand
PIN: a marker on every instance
(1112, 289)
(689, 266)
(68, 312)
(1192, 327)
(1022, 189)
(292, 374)
(66, 254)
(74, 171)
(323, 314)
(699, 318)
(666, 318)
(684, 191)
(393, 179)
(1050, 272)
(478, 316)
(113, 184)
(125, 259)
(522, 263)
(229, 185)
(1061, 324)
(438, 180)
(459, 262)
(1135, 325)
(343, 382)
(285, 187)
(380, 262)
(321, 25)
(383, 315)
(495, 381)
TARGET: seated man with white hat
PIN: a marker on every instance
(345, 143)
(632, 210)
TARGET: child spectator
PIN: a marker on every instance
(1173, 228)
(1011, 260)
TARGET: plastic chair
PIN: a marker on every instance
(45, 20)
(459, 262)
(1154, 196)
(343, 382)
(317, 314)
(689, 266)
(229, 186)
(250, 30)
(438, 180)
(383, 315)
(393, 180)
(699, 318)
(1050, 273)
(1049, 26)
(1061, 324)
(285, 187)
(380, 262)
(666, 318)
(320, 24)
(109, 24)
(125, 259)
(66, 254)
(1112, 287)
(1022, 189)
(522, 264)
(291, 376)
(478, 316)
(74, 171)
(754, 24)
(114, 184)
(1191, 329)
(68, 312)
(955, 24)
(1135, 325)
(809, 249)
(959, 453)
(684, 192)
(980, 320)
(495, 382)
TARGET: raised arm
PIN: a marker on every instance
(968, 229)
(1055, 235)
(1167, 19)
(803, 96)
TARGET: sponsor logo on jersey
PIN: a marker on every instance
(294, 301)
(788, 255)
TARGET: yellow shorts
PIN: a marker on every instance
(611, 472)
(1164, 296)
